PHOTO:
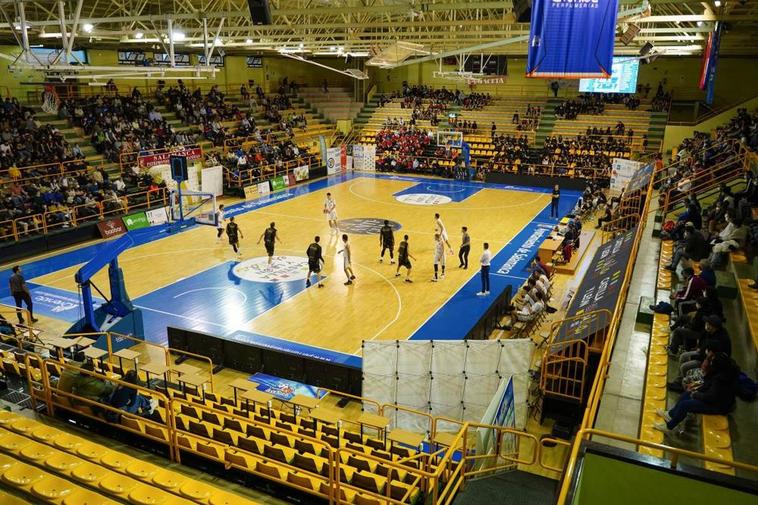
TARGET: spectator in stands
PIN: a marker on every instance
(715, 394)
(692, 247)
(129, 400)
(714, 339)
(91, 387)
(707, 273)
(688, 329)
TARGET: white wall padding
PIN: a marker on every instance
(429, 376)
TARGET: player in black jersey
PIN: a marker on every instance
(387, 241)
(404, 257)
(235, 234)
(315, 262)
(269, 237)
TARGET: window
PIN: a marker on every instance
(254, 62)
(131, 57)
(48, 55)
(216, 60)
(180, 59)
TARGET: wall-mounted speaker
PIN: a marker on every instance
(260, 12)
(629, 34)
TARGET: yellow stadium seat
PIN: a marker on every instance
(11, 442)
(62, 462)
(89, 472)
(116, 460)
(117, 484)
(196, 490)
(22, 475)
(37, 452)
(168, 480)
(85, 497)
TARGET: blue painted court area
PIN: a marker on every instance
(219, 302)
(456, 191)
(53, 302)
(509, 267)
(213, 301)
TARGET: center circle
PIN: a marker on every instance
(365, 225)
(423, 199)
(282, 269)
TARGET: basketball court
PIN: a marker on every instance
(188, 279)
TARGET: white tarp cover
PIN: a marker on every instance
(456, 379)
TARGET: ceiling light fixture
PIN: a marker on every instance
(88, 27)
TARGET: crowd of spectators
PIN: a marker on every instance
(23, 142)
(594, 104)
(63, 199)
(591, 155)
(260, 159)
(403, 145)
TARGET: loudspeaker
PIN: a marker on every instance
(646, 49)
(629, 34)
(178, 168)
(260, 12)
(522, 10)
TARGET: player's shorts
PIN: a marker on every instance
(346, 264)
(234, 240)
(269, 248)
(443, 235)
(388, 245)
(331, 216)
(439, 259)
(404, 262)
(314, 266)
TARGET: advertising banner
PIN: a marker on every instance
(136, 221)
(600, 287)
(622, 171)
(152, 160)
(264, 188)
(369, 158)
(157, 216)
(349, 164)
(571, 38)
(301, 173)
(251, 191)
(278, 182)
(358, 156)
(641, 178)
(111, 228)
(333, 160)
(285, 389)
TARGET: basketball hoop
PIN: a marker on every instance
(50, 100)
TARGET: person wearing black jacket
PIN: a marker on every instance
(714, 339)
(690, 327)
(715, 395)
(694, 247)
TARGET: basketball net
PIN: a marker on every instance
(50, 100)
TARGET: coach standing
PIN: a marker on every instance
(20, 292)
(485, 261)
(555, 198)
(465, 248)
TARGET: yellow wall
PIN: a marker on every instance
(675, 134)
(737, 78)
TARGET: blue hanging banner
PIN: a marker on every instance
(712, 54)
(572, 38)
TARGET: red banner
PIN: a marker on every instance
(152, 160)
(111, 228)
(343, 157)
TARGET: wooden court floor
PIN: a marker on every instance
(338, 317)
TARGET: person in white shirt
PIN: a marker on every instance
(439, 257)
(440, 228)
(529, 310)
(220, 222)
(485, 261)
(330, 209)
(347, 260)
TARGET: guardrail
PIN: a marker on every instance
(68, 217)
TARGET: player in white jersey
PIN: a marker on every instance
(439, 257)
(439, 227)
(220, 222)
(347, 260)
(330, 209)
